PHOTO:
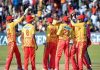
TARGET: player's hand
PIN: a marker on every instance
(46, 44)
(26, 11)
(30, 7)
(36, 48)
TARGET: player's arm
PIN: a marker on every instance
(36, 46)
(33, 32)
(90, 24)
(22, 40)
(18, 20)
(77, 24)
(47, 36)
(21, 18)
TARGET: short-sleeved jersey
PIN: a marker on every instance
(77, 34)
(63, 32)
(10, 28)
(74, 34)
(28, 32)
(80, 31)
(52, 33)
(11, 33)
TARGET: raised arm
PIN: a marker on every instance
(21, 18)
(18, 20)
(22, 39)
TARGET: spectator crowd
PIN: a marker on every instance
(43, 9)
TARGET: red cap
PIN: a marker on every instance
(81, 17)
(29, 18)
(65, 18)
(8, 18)
(50, 20)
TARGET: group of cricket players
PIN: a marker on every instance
(62, 34)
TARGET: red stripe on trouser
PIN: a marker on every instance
(12, 48)
(49, 50)
(29, 52)
(81, 55)
(72, 56)
(62, 45)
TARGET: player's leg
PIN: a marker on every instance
(84, 58)
(66, 52)
(76, 46)
(10, 55)
(86, 53)
(72, 56)
(86, 63)
(46, 57)
(59, 51)
(52, 55)
(18, 57)
(80, 55)
(32, 57)
(88, 57)
(26, 57)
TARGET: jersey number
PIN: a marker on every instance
(8, 33)
(27, 32)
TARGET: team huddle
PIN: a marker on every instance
(69, 35)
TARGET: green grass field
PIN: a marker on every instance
(94, 52)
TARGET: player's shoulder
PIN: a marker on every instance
(27, 26)
(62, 25)
(10, 24)
(49, 26)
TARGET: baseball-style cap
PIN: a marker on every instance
(29, 18)
(65, 18)
(50, 20)
(9, 18)
(81, 17)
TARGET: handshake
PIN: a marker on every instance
(27, 9)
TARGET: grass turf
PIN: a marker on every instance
(94, 52)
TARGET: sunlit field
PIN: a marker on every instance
(94, 52)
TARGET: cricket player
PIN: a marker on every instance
(12, 47)
(29, 43)
(51, 45)
(63, 43)
(11, 37)
(81, 42)
(73, 48)
(88, 22)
